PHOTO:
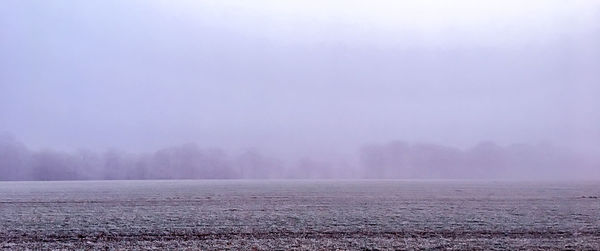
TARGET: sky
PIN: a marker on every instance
(299, 78)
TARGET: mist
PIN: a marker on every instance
(393, 160)
(299, 89)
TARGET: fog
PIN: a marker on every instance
(299, 89)
(392, 160)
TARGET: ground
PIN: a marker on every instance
(303, 215)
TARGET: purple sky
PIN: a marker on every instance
(299, 77)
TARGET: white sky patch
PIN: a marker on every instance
(427, 22)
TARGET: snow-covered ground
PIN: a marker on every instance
(295, 214)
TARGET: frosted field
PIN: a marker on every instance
(299, 215)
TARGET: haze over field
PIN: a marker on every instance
(299, 89)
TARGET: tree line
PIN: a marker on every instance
(391, 160)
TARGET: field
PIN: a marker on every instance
(295, 214)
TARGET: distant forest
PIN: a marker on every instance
(392, 160)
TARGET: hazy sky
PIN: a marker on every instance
(298, 77)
